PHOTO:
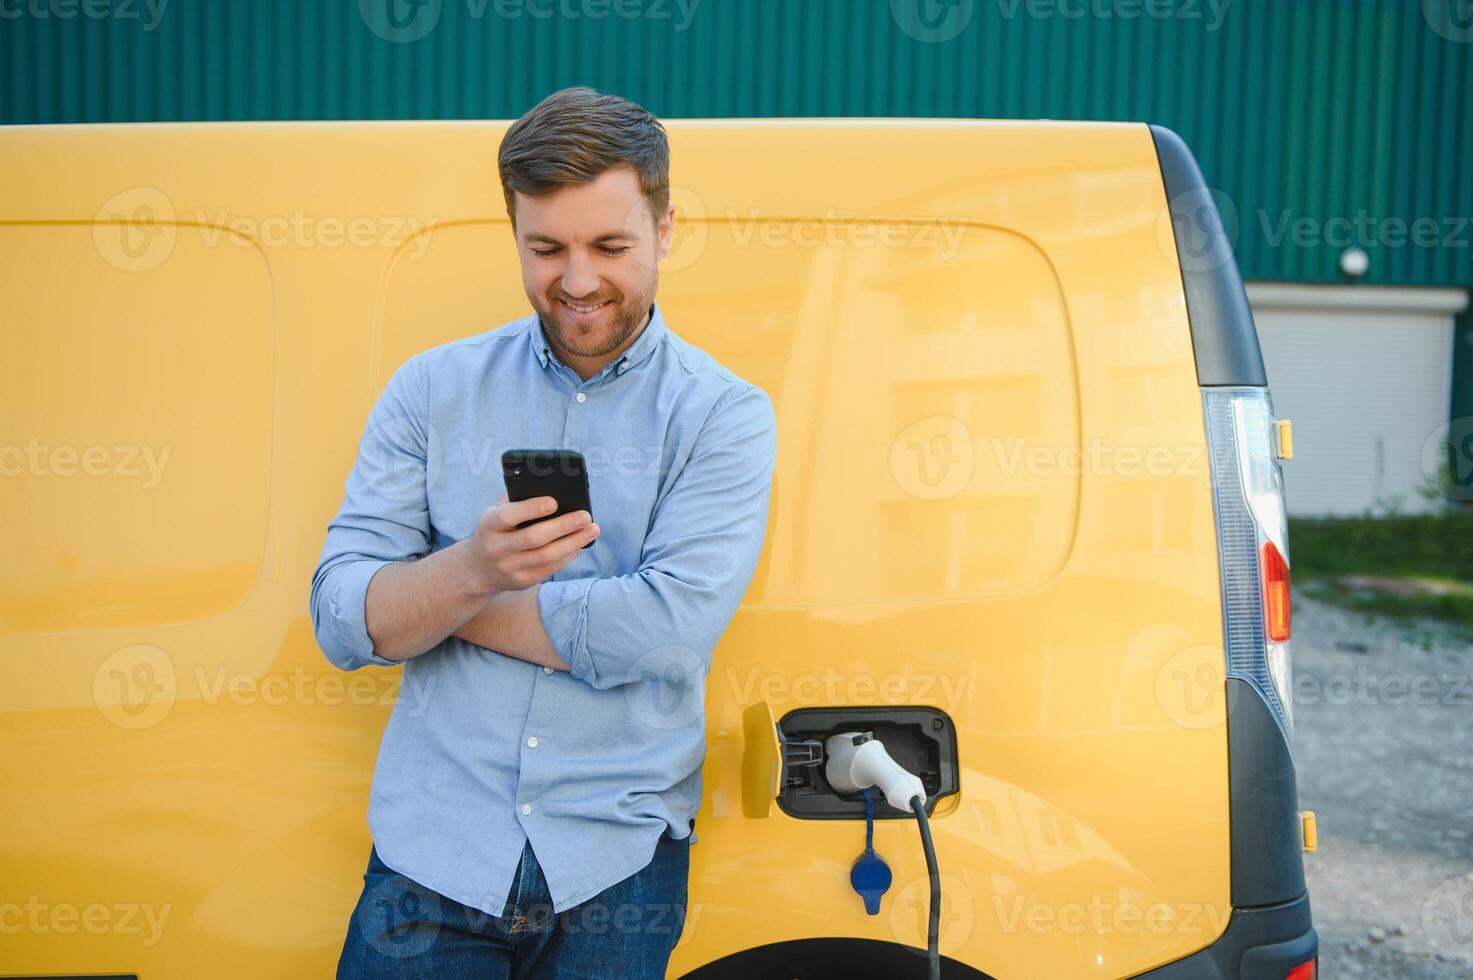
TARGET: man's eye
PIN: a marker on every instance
(606, 249)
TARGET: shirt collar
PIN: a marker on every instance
(637, 353)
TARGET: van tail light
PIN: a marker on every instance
(1304, 971)
(1275, 573)
(1253, 541)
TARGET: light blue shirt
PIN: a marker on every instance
(484, 752)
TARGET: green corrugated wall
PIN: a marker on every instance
(1300, 111)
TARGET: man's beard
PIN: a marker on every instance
(617, 322)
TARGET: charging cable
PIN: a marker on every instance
(857, 761)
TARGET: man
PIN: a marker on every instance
(533, 802)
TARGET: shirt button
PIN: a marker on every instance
(547, 670)
(532, 742)
(526, 808)
(580, 397)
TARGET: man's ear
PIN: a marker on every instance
(665, 233)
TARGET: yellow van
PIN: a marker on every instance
(1026, 528)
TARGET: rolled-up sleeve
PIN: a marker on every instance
(698, 558)
(384, 518)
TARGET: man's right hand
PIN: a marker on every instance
(504, 558)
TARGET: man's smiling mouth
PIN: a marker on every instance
(584, 310)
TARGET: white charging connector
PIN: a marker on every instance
(857, 760)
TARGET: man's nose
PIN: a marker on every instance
(579, 279)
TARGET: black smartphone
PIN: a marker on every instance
(557, 473)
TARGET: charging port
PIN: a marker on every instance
(921, 739)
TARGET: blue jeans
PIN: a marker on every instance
(404, 930)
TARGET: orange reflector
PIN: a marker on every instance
(1304, 971)
(1275, 572)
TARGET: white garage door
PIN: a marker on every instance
(1365, 374)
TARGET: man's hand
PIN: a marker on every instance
(503, 558)
(410, 606)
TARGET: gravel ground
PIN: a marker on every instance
(1384, 753)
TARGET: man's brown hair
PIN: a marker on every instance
(576, 134)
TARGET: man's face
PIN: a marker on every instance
(589, 261)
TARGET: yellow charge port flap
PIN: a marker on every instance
(1286, 439)
(1311, 832)
(761, 761)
